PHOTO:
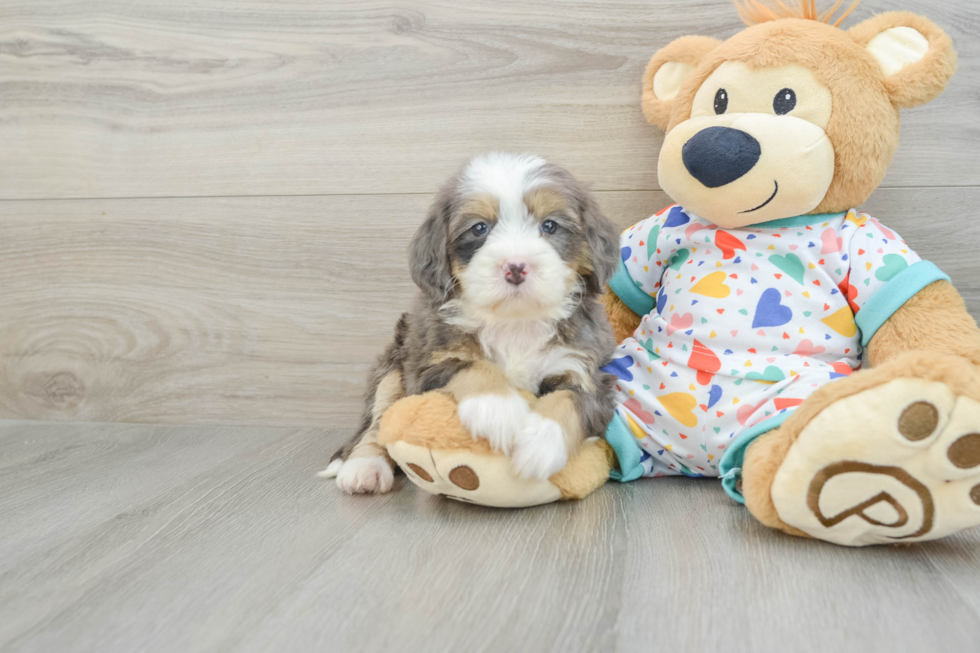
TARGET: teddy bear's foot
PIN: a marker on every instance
(471, 477)
(895, 462)
(424, 436)
(489, 480)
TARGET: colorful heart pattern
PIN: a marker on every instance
(712, 285)
(831, 242)
(770, 312)
(842, 321)
(748, 323)
(676, 217)
(893, 265)
(807, 348)
(728, 243)
(634, 406)
(679, 322)
(791, 265)
(678, 259)
(681, 407)
(771, 374)
(705, 361)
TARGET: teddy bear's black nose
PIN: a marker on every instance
(716, 156)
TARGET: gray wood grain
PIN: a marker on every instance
(338, 119)
(262, 310)
(153, 538)
(138, 98)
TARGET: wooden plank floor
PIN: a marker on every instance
(162, 538)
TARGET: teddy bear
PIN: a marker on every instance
(771, 333)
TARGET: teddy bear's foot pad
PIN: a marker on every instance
(897, 463)
(488, 480)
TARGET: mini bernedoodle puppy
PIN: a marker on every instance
(511, 261)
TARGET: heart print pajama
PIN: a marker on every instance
(740, 326)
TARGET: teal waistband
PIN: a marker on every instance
(635, 299)
(893, 295)
(730, 467)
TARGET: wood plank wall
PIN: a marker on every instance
(204, 207)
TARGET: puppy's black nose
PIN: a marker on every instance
(719, 155)
(515, 273)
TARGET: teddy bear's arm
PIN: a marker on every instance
(627, 298)
(934, 320)
(624, 321)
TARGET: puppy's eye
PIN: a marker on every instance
(721, 101)
(784, 102)
(549, 226)
(480, 229)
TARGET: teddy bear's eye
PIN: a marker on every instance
(721, 101)
(784, 102)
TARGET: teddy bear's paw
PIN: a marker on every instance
(899, 462)
(498, 419)
(541, 451)
(365, 476)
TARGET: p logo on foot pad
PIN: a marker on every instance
(898, 462)
(862, 510)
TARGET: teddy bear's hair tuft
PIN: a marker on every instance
(754, 12)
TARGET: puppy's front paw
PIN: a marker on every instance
(365, 476)
(498, 419)
(541, 452)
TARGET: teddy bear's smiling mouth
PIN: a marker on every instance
(771, 197)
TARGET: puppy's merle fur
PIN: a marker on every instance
(510, 259)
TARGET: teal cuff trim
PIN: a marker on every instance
(797, 221)
(893, 295)
(730, 467)
(635, 299)
(627, 449)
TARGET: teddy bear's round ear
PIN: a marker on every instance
(667, 71)
(916, 57)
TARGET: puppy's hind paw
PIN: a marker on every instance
(366, 476)
(541, 451)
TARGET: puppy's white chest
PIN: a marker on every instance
(523, 352)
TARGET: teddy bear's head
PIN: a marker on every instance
(791, 115)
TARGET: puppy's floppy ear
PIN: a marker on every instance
(428, 258)
(916, 57)
(602, 237)
(667, 71)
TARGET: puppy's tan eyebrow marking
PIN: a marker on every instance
(482, 205)
(544, 201)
